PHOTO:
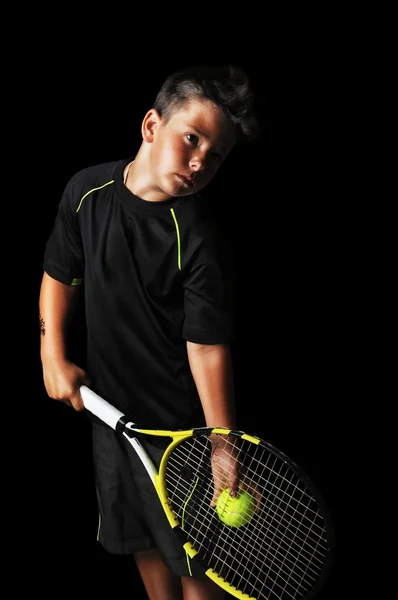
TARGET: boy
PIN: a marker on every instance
(157, 289)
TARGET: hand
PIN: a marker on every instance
(62, 380)
(227, 472)
(225, 465)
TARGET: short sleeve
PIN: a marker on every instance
(64, 256)
(209, 293)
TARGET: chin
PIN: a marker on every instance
(179, 191)
(176, 189)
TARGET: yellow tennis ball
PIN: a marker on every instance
(235, 512)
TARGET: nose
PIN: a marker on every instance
(197, 161)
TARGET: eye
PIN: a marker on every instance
(192, 138)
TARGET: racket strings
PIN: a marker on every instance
(205, 521)
(284, 532)
(282, 508)
(281, 552)
(277, 482)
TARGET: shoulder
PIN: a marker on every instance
(202, 232)
(195, 214)
(91, 178)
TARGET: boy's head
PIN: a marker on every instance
(226, 86)
(198, 116)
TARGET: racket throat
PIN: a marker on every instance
(142, 453)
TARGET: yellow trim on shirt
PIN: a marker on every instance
(178, 238)
(93, 190)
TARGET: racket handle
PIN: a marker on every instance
(100, 407)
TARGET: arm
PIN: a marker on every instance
(62, 378)
(212, 370)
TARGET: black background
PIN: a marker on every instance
(285, 211)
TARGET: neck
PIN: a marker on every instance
(139, 181)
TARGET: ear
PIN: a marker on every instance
(150, 122)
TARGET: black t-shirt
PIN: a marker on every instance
(155, 275)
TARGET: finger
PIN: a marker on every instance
(77, 402)
(217, 492)
(251, 488)
(257, 497)
(233, 485)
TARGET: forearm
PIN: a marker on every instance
(57, 302)
(212, 370)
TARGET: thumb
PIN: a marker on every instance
(217, 491)
(77, 402)
(232, 485)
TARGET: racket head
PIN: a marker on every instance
(287, 548)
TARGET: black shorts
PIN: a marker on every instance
(131, 517)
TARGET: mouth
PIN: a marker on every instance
(187, 181)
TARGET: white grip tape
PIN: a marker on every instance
(100, 407)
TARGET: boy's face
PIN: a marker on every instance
(187, 150)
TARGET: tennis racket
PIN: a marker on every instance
(286, 549)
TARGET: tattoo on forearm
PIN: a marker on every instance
(42, 325)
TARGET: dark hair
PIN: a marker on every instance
(227, 86)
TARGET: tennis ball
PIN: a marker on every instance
(235, 512)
